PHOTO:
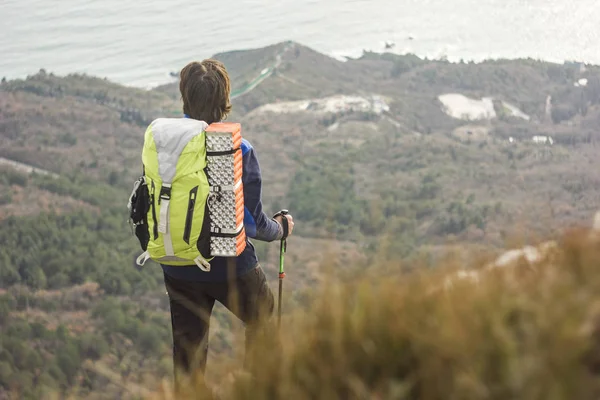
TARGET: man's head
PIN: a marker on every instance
(205, 88)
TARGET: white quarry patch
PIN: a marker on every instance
(379, 105)
(461, 107)
(333, 104)
(515, 112)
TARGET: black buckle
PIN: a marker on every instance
(165, 193)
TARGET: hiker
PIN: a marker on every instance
(238, 283)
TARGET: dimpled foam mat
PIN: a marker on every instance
(226, 200)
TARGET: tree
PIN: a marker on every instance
(19, 352)
(400, 66)
(36, 278)
(5, 373)
(593, 90)
(562, 113)
(56, 372)
(22, 381)
(4, 312)
(39, 331)
(8, 273)
(58, 281)
(92, 346)
(62, 333)
(19, 329)
(114, 320)
(148, 340)
(68, 360)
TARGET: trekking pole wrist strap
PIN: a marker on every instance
(284, 222)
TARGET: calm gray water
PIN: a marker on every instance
(138, 42)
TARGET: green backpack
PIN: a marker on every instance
(169, 204)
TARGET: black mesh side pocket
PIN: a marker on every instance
(143, 235)
(139, 205)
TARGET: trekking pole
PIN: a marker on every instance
(282, 250)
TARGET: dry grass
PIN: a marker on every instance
(526, 330)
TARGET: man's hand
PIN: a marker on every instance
(290, 219)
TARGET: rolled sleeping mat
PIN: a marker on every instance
(226, 200)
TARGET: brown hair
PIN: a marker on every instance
(205, 89)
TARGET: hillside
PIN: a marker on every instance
(357, 150)
(524, 329)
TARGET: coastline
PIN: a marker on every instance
(339, 55)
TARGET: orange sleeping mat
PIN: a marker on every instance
(226, 200)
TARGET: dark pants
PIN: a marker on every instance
(248, 297)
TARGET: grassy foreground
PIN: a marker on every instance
(527, 330)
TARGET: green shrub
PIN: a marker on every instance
(10, 176)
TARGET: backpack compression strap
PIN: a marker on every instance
(164, 200)
(163, 221)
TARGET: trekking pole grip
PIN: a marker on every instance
(283, 246)
(284, 222)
